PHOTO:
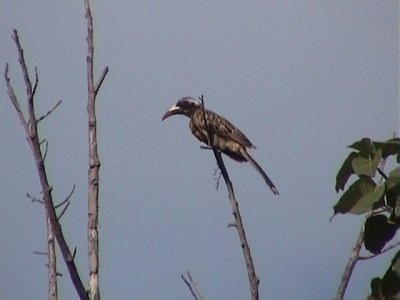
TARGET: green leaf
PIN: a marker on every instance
(364, 146)
(377, 232)
(369, 198)
(390, 147)
(376, 293)
(345, 172)
(393, 179)
(367, 166)
(360, 197)
(393, 189)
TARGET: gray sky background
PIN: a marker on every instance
(302, 79)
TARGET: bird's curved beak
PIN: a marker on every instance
(172, 111)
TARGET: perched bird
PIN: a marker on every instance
(225, 136)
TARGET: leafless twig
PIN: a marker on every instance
(67, 198)
(40, 253)
(45, 150)
(101, 79)
(49, 112)
(31, 131)
(66, 203)
(194, 290)
(34, 199)
(36, 82)
(63, 210)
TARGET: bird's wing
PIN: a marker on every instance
(222, 127)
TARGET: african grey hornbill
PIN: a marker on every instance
(225, 137)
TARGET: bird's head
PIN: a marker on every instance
(185, 106)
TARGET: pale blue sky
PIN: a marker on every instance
(302, 79)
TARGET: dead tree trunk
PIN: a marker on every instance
(94, 162)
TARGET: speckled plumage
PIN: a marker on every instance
(225, 136)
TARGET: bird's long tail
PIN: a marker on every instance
(260, 170)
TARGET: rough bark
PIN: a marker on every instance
(94, 162)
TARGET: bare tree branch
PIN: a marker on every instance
(100, 81)
(14, 101)
(40, 253)
(63, 210)
(192, 286)
(45, 150)
(31, 131)
(34, 199)
(51, 250)
(251, 272)
(65, 203)
(94, 161)
(36, 82)
(74, 253)
(354, 257)
(50, 111)
(52, 261)
(21, 59)
(66, 199)
(195, 286)
(186, 281)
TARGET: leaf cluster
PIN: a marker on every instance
(379, 198)
(365, 194)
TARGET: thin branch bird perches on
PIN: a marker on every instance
(251, 272)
